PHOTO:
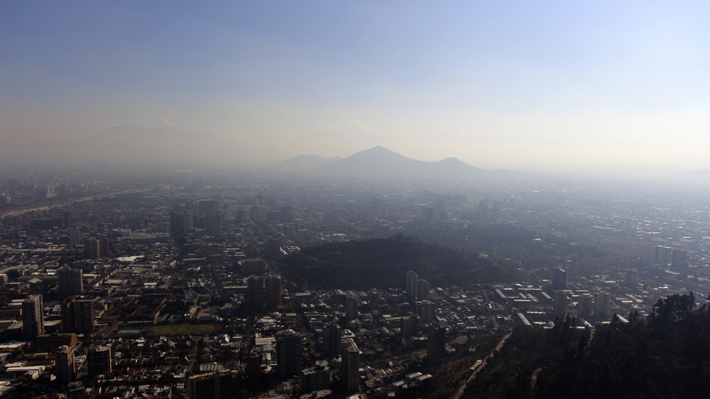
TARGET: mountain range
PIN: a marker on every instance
(381, 162)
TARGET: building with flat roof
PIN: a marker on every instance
(64, 364)
(69, 281)
(32, 317)
(288, 352)
(215, 385)
(99, 359)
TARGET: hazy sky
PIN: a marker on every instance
(525, 85)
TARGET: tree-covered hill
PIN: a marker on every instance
(666, 355)
(383, 263)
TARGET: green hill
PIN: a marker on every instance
(383, 263)
(666, 355)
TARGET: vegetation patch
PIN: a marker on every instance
(383, 263)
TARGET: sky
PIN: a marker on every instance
(543, 86)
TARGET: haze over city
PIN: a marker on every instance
(353, 200)
(545, 87)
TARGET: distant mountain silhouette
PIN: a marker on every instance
(381, 162)
(304, 163)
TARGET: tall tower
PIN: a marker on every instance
(351, 366)
(602, 306)
(272, 291)
(332, 344)
(316, 378)
(103, 247)
(255, 214)
(423, 289)
(70, 281)
(32, 317)
(92, 249)
(410, 325)
(560, 279)
(255, 292)
(176, 222)
(78, 315)
(288, 352)
(351, 308)
(412, 284)
(64, 363)
(99, 359)
(585, 306)
(560, 303)
(214, 223)
(216, 385)
(425, 311)
(436, 342)
(207, 206)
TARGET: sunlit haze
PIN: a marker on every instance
(552, 87)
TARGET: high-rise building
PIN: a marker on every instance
(351, 308)
(286, 214)
(176, 222)
(664, 255)
(273, 291)
(216, 385)
(679, 258)
(410, 325)
(436, 342)
(78, 315)
(332, 345)
(288, 352)
(316, 378)
(70, 281)
(208, 206)
(560, 279)
(423, 289)
(32, 316)
(103, 247)
(412, 284)
(264, 291)
(602, 306)
(68, 217)
(273, 246)
(64, 364)
(632, 278)
(214, 223)
(351, 366)
(252, 266)
(560, 303)
(242, 216)
(585, 306)
(255, 292)
(92, 249)
(99, 360)
(74, 236)
(187, 225)
(254, 214)
(425, 311)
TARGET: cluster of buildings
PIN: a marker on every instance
(167, 290)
